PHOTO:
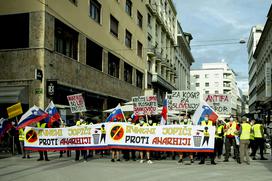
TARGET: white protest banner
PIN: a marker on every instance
(76, 103)
(185, 100)
(221, 103)
(169, 102)
(189, 138)
(145, 105)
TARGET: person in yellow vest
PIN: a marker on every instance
(22, 143)
(81, 122)
(245, 131)
(231, 129)
(219, 133)
(206, 122)
(258, 130)
(186, 121)
(43, 154)
(143, 123)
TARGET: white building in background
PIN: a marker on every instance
(216, 78)
(255, 34)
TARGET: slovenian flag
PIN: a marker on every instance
(116, 114)
(164, 113)
(33, 115)
(202, 110)
(53, 114)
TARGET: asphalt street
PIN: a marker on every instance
(101, 169)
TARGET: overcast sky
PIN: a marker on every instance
(221, 22)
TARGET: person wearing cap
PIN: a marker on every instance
(245, 131)
(231, 130)
(258, 130)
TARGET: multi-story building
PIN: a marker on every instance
(216, 78)
(254, 37)
(263, 57)
(184, 59)
(169, 58)
(94, 47)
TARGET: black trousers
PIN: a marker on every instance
(259, 143)
(218, 146)
(43, 153)
(228, 143)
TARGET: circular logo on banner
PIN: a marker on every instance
(117, 132)
(31, 136)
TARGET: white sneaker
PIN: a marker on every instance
(141, 161)
(149, 161)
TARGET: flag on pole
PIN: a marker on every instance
(202, 110)
(134, 118)
(5, 125)
(33, 115)
(164, 113)
(116, 114)
(53, 114)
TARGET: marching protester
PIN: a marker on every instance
(81, 122)
(43, 154)
(258, 130)
(206, 122)
(219, 134)
(251, 145)
(22, 143)
(245, 130)
(231, 130)
(186, 121)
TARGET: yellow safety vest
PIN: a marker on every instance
(39, 125)
(246, 129)
(232, 129)
(219, 131)
(146, 124)
(206, 133)
(203, 123)
(21, 134)
(103, 130)
(78, 123)
(258, 130)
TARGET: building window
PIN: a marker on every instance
(216, 92)
(207, 76)
(216, 84)
(113, 65)
(139, 79)
(197, 84)
(74, 2)
(66, 40)
(14, 31)
(95, 8)
(128, 39)
(196, 76)
(128, 73)
(114, 26)
(139, 49)
(128, 7)
(149, 20)
(94, 55)
(206, 92)
(207, 84)
(139, 19)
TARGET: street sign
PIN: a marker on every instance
(38, 74)
(51, 88)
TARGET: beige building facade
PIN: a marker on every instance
(93, 47)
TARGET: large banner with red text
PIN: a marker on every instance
(119, 135)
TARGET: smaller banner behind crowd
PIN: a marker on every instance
(122, 136)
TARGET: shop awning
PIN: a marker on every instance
(13, 95)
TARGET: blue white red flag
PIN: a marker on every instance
(164, 113)
(53, 114)
(134, 118)
(5, 125)
(33, 115)
(116, 115)
(202, 110)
